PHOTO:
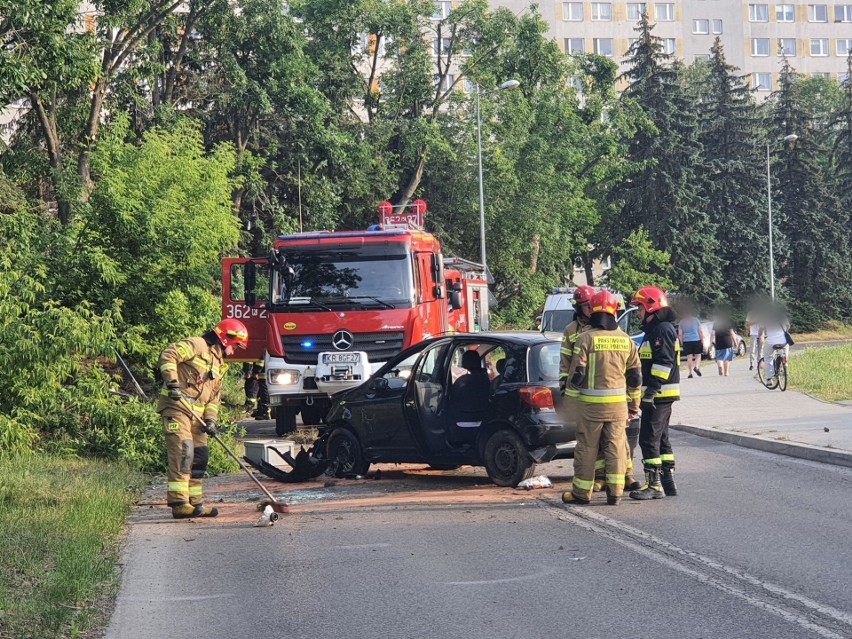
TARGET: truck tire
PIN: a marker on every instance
(313, 414)
(507, 460)
(285, 420)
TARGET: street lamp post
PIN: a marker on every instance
(508, 84)
(769, 146)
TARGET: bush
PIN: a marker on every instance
(805, 317)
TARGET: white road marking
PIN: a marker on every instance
(507, 580)
(678, 559)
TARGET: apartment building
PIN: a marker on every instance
(816, 38)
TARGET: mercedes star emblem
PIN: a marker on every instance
(342, 340)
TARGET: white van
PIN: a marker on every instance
(559, 312)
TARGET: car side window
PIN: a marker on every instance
(429, 369)
(399, 375)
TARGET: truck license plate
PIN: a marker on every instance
(341, 358)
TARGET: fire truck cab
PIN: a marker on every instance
(327, 309)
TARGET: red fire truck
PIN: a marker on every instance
(325, 310)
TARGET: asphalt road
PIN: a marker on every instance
(756, 545)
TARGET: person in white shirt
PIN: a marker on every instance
(755, 338)
(775, 338)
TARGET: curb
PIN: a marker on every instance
(802, 451)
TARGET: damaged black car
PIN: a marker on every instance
(483, 399)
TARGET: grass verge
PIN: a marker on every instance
(60, 527)
(831, 331)
(823, 372)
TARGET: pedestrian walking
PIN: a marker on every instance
(659, 354)
(725, 340)
(605, 379)
(754, 326)
(192, 371)
(692, 336)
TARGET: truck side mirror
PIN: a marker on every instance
(251, 298)
(455, 300)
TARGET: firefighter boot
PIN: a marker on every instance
(630, 482)
(611, 499)
(652, 488)
(667, 480)
(186, 511)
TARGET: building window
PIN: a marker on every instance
(572, 11)
(665, 12)
(844, 46)
(441, 46)
(819, 46)
(442, 10)
(717, 27)
(446, 83)
(844, 78)
(603, 46)
(701, 57)
(635, 10)
(760, 46)
(758, 13)
(817, 13)
(785, 13)
(787, 46)
(762, 81)
(669, 45)
(575, 45)
(601, 12)
(843, 13)
(701, 26)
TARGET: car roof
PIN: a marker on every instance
(518, 337)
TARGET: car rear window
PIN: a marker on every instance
(544, 362)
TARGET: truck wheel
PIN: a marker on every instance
(313, 414)
(285, 420)
(344, 452)
(507, 460)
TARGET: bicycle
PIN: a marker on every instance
(779, 360)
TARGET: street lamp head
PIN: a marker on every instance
(791, 138)
(510, 84)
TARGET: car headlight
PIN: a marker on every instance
(283, 376)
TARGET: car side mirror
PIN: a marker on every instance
(378, 385)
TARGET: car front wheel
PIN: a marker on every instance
(741, 349)
(507, 460)
(344, 452)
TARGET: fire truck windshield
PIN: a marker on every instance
(350, 279)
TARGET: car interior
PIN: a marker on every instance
(468, 397)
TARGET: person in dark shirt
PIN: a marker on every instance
(724, 340)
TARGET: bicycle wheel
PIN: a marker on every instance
(781, 373)
(761, 370)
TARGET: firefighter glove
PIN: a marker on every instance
(649, 396)
(210, 427)
(174, 391)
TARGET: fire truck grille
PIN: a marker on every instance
(379, 347)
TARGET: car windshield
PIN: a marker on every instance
(544, 362)
(557, 320)
(343, 279)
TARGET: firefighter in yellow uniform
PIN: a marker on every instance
(582, 296)
(606, 379)
(192, 372)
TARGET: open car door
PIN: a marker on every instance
(245, 294)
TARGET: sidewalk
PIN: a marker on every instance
(739, 410)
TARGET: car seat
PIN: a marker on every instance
(469, 396)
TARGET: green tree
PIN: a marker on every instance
(735, 183)
(663, 193)
(813, 260)
(636, 263)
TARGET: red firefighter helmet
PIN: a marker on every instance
(604, 302)
(232, 332)
(583, 295)
(651, 298)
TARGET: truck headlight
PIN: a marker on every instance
(283, 376)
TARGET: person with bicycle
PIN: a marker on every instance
(776, 325)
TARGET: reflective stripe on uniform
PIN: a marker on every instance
(666, 390)
(178, 486)
(634, 394)
(604, 396)
(600, 463)
(667, 457)
(615, 480)
(654, 461)
(212, 408)
(184, 350)
(645, 351)
(566, 351)
(602, 392)
(198, 408)
(572, 392)
(662, 372)
(585, 484)
(168, 366)
(195, 491)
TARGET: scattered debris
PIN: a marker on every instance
(268, 517)
(533, 483)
